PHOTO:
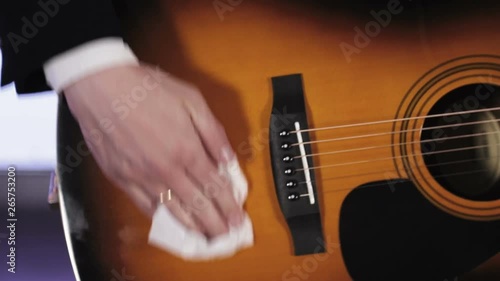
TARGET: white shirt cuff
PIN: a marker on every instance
(86, 59)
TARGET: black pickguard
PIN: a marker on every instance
(389, 231)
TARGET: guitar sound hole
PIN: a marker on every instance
(463, 154)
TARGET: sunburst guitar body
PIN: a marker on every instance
(399, 131)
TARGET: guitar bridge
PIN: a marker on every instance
(294, 179)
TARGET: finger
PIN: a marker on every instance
(147, 204)
(217, 188)
(211, 131)
(147, 201)
(182, 215)
(203, 209)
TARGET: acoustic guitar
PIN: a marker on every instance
(368, 130)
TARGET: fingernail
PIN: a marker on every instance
(235, 219)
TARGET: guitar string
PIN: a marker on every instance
(395, 157)
(394, 145)
(395, 132)
(397, 120)
(392, 171)
(377, 184)
(420, 166)
(390, 158)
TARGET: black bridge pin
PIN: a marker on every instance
(289, 171)
(288, 158)
(291, 184)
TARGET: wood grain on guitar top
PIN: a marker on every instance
(231, 52)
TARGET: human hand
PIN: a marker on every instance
(158, 134)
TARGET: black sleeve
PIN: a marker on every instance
(33, 31)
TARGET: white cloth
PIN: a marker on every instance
(170, 235)
(68, 67)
